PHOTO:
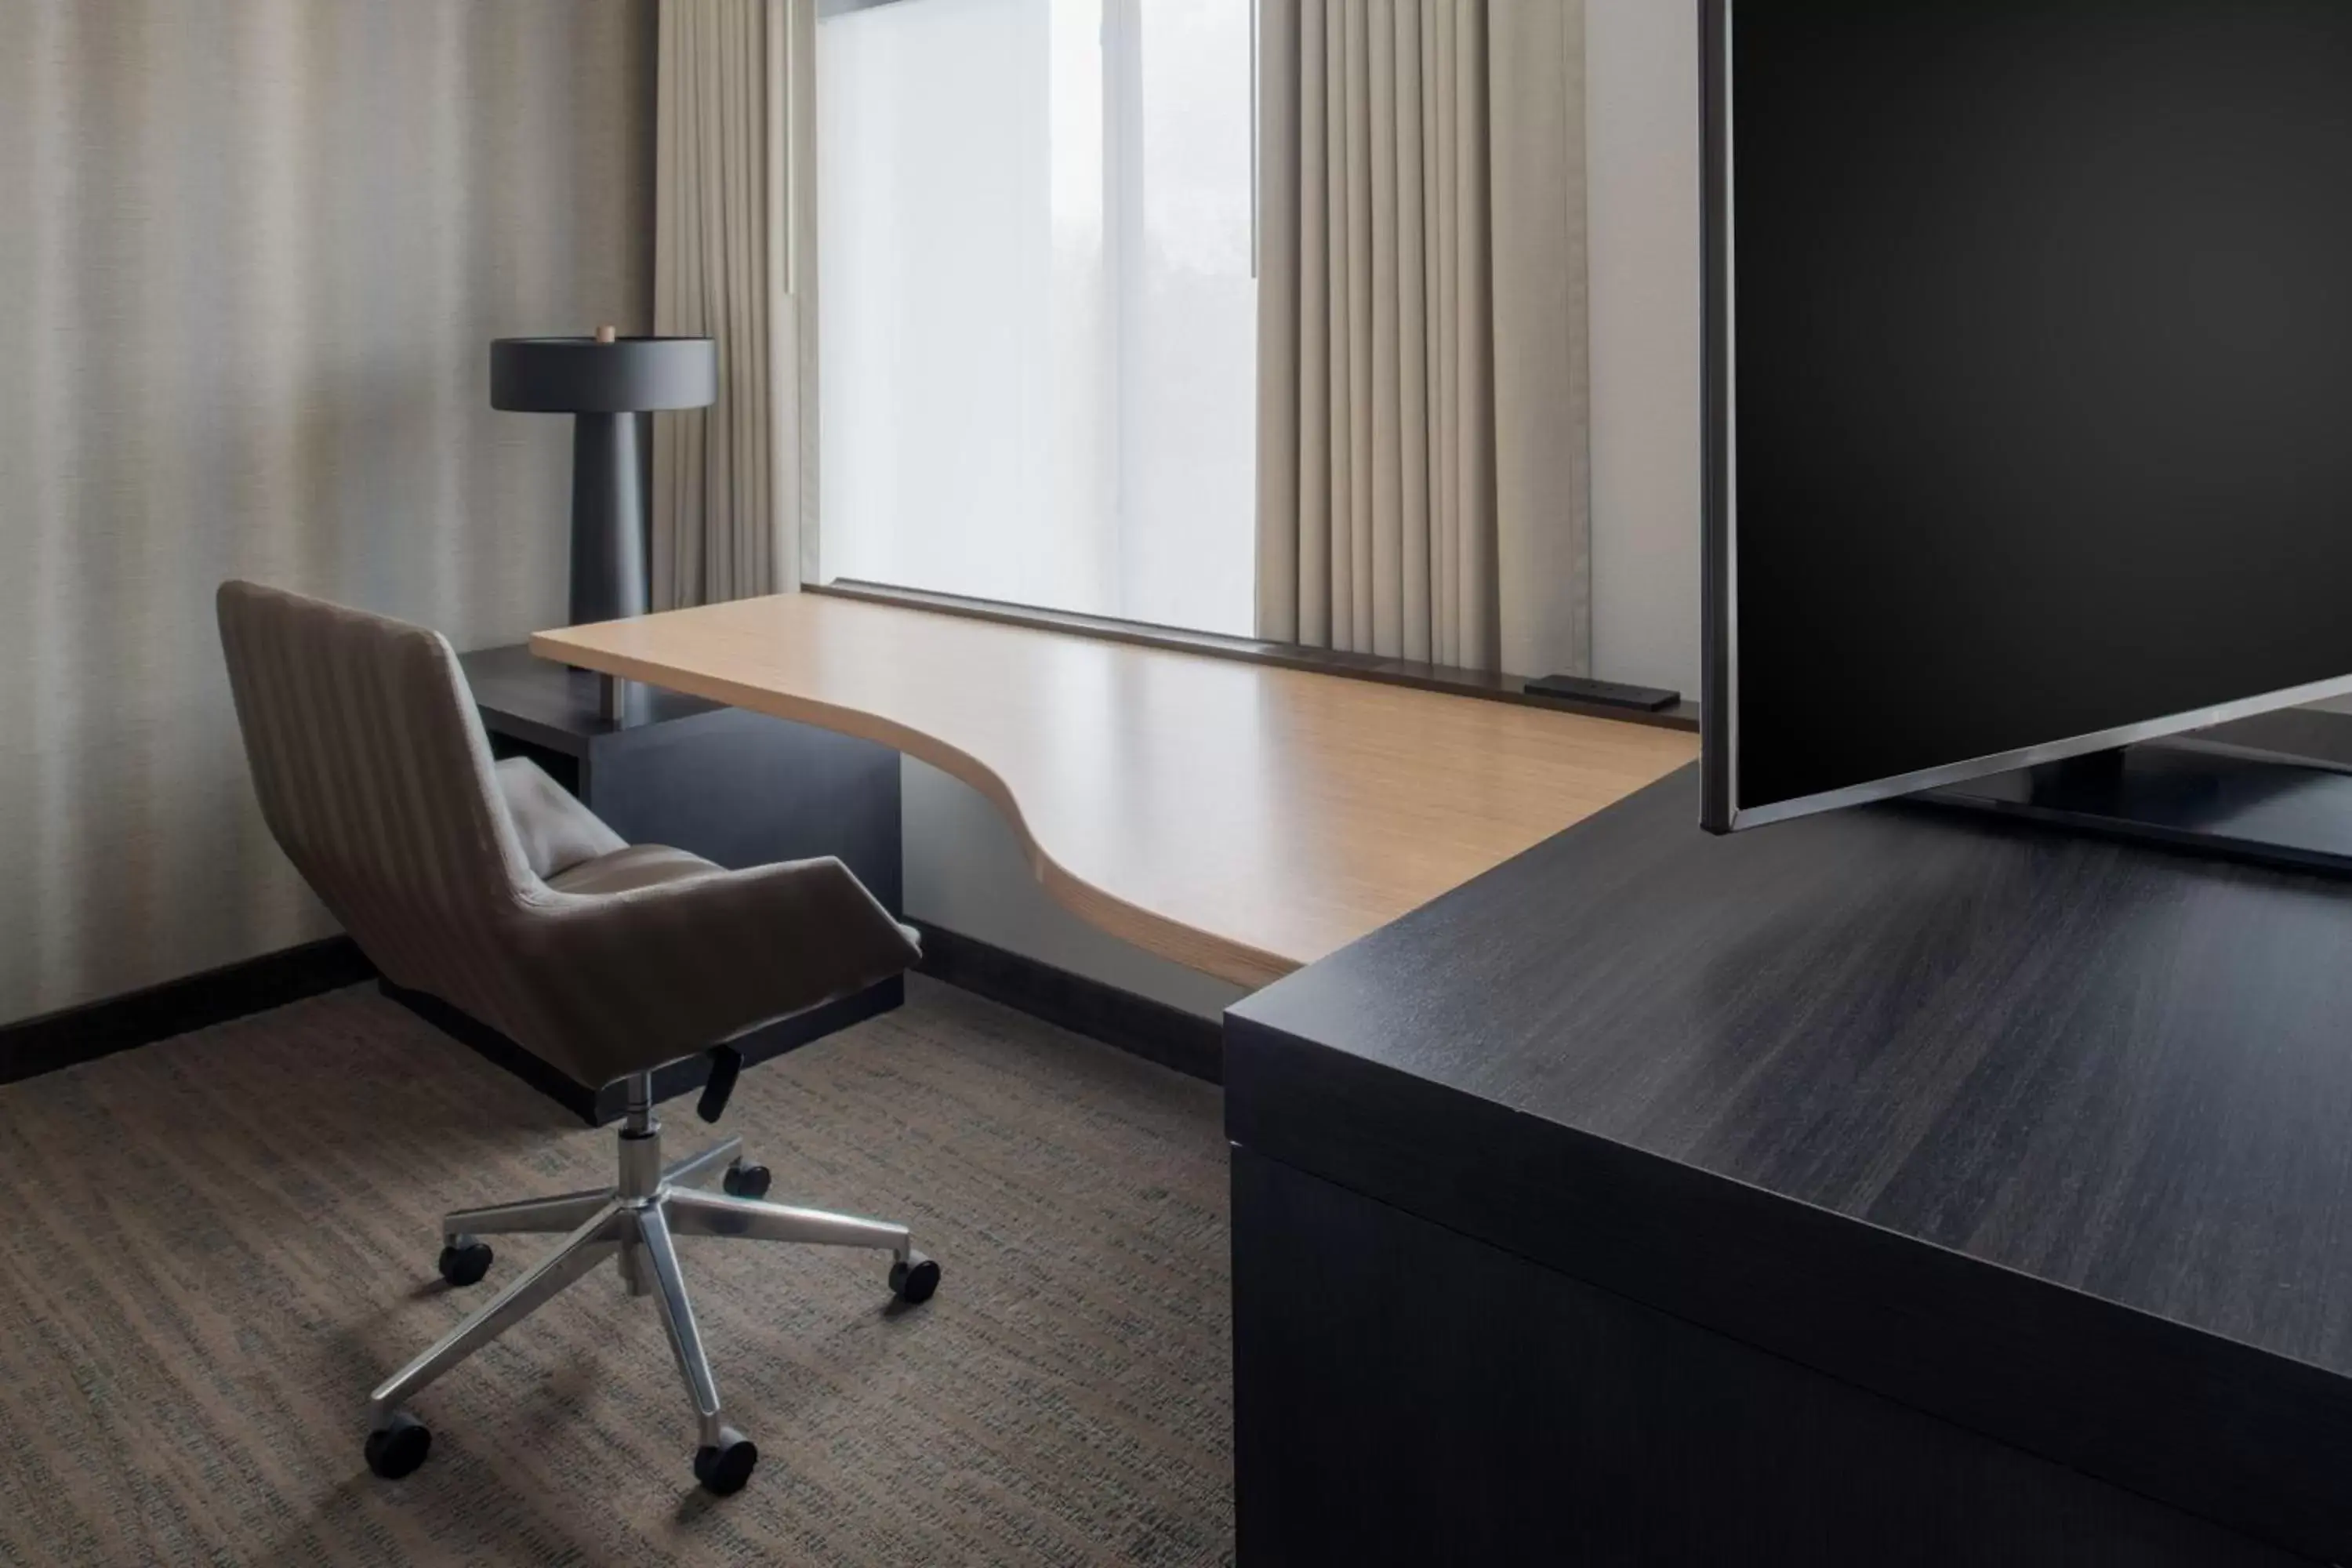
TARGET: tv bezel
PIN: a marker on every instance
(1719, 811)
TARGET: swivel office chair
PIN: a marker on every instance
(490, 887)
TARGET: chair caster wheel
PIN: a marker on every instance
(743, 1181)
(722, 1470)
(464, 1261)
(399, 1446)
(913, 1280)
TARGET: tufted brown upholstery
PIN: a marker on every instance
(488, 886)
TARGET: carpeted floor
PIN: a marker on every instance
(213, 1247)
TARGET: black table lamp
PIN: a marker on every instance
(607, 381)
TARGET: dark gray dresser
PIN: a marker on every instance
(1891, 1187)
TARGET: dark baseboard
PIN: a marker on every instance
(100, 1029)
(1168, 1035)
(601, 1107)
(1153, 1030)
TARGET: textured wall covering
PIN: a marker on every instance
(251, 253)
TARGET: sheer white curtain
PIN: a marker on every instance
(1039, 321)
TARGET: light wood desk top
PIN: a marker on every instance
(1240, 819)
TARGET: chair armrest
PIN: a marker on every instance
(633, 979)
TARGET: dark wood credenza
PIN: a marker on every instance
(1895, 1185)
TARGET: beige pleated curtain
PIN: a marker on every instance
(733, 484)
(1422, 453)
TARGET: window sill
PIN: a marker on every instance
(1494, 687)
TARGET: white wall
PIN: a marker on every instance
(965, 870)
(1641, 139)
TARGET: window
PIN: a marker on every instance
(1036, 310)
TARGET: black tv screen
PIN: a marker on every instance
(2030, 383)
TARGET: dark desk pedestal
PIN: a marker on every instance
(735, 787)
(1891, 1186)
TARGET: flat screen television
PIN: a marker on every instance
(2028, 342)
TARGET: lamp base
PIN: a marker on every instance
(608, 519)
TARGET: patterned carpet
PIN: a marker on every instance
(213, 1246)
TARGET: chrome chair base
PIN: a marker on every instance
(635, 1223)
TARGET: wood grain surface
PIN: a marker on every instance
(1239, 819)
(2038, 1132)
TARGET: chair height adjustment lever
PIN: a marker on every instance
(726, 1065)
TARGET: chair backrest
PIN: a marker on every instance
(374, 774)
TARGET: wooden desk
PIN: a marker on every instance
(1240, 819)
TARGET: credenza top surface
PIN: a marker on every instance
(2120, 1068)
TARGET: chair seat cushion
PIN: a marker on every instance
(638, 866)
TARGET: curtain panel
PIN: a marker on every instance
(1422, 451)
(734, 485)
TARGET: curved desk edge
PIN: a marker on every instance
(1205, 952)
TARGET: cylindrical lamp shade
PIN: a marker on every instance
(607, 384)
(580, 375)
